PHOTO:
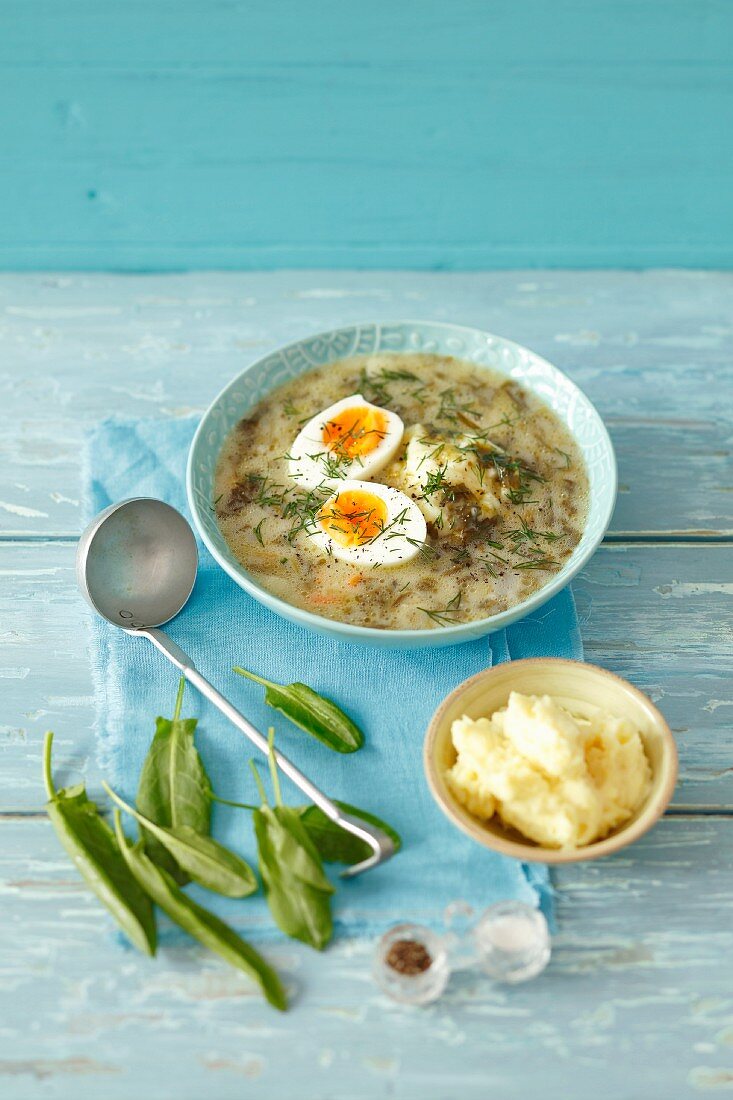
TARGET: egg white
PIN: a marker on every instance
(312, 463)
(402, 538)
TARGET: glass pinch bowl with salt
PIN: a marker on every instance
(509, 942)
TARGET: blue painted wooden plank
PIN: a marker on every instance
(659, 615)
(642, 963)
(653, 350)
(175, 135)
(244, 32)
(636, 1001)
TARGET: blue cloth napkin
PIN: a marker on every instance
(391, 693)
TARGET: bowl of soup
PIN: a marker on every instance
(402, 484)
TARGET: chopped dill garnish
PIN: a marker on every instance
(435, 453)
(397, 375)
(435, 481)
(514, 476)
(257, 531)
(479, 444)
(497, 557)
(375, 386)
(566, 456)
(388, 532)
(536, 563)
(270, 494)
(333, 465)
(455, 411)
(302, 508)
(524, 535)
(426, 551)
(519, 496)
(505, 422)
(446, 615)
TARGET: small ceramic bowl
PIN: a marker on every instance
(403, 337)
(582, 689)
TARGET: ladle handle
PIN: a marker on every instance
(182, 661)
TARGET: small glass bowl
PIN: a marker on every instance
(511, 941)
(415, 989)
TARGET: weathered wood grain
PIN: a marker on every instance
(653, 351)
(659, 615)
(636, 1002)
(207, 133)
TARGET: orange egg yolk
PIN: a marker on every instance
(354, 517)
(355, 431)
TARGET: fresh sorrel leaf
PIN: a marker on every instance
(334, 844)
(312, 712)
(174, 788)
(201, 857)
(295, 848)
(299, 908)
(92, 846)
(208, 929)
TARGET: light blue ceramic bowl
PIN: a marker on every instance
(516, 362)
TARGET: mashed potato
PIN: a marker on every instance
(559, 780)
(433, 460)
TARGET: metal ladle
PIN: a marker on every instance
(136, 565)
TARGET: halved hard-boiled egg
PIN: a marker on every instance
(367, 523)
(352, 438)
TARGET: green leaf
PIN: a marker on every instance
(333, 843)
(174, 788)
(208, 929)
(311, 712)
(91, 844)
(295, 847)
(297, 891)
(201, 857)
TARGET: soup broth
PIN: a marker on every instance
(497, 475)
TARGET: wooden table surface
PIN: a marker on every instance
(638, 999)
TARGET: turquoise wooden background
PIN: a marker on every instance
(153, 134)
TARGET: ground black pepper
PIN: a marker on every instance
(408, 957)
